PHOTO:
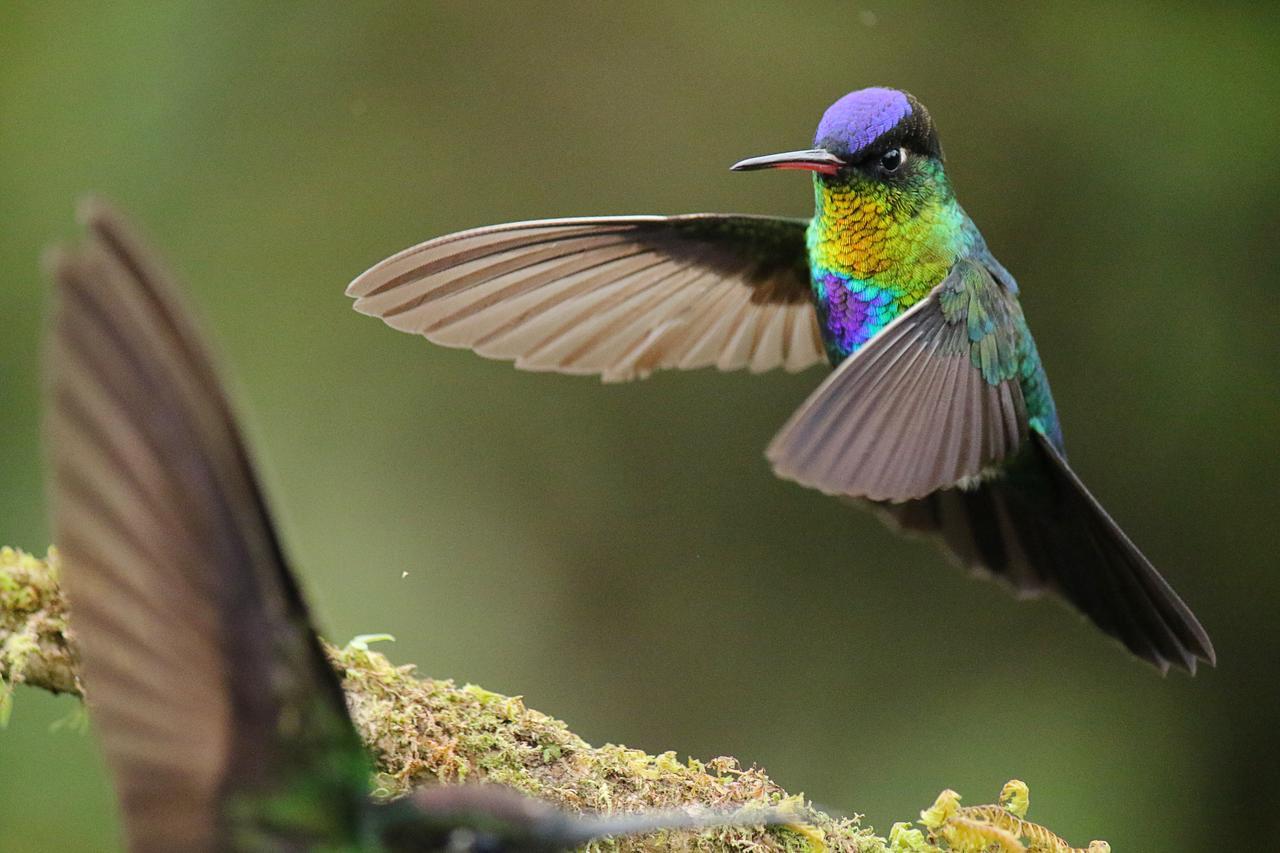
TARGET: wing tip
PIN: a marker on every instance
(92, 209)
(104, 222)
(57, 263)
(359, 285)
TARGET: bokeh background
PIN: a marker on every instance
(622, 556)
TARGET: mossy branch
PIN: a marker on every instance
(35, 647)
(422, 730)
(426, 730)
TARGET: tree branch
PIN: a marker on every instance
(422, 730)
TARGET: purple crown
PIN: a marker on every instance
(859, 118)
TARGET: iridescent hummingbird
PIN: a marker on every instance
(938, 412)
(222, 723)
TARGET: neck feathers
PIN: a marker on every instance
(876, 249)
(901, 237)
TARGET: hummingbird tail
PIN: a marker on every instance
(1038, 528)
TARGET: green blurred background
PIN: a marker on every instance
(622, 556)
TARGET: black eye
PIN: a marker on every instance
(892, 160)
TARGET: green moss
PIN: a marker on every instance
(425, 731)
(33, 627)
(428, 730)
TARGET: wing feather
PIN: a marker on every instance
(195, 641)
(925, 404)
(614, 296)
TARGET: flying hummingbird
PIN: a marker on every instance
(222, 723)
(938, 412)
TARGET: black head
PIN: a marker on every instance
(870, 121)
(871, 128)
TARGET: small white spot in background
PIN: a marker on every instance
(868, 18)
(404, 575)
(461, 840)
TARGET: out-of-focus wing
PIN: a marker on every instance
(205, 681)
(496, 818)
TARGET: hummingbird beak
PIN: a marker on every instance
(813, 160)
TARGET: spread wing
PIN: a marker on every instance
(614, 296)
(930, 401)
(209, 690)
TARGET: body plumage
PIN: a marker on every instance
(874, 253)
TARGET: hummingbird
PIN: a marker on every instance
(937, 413)
(223, 724)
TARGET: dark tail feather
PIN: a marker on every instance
(1038, 528)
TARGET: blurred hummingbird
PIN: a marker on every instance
(938, 412)
(223, 724)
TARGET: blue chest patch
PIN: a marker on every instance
(851, 312)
